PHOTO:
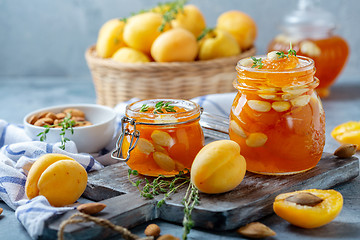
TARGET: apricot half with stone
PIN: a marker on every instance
(57, 177)
(218, 167)
(309, 208)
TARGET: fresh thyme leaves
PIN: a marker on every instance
(189, 201)
(173, 8)
(257, 62)
(144, 108)
(281, 54)
(123, 20)
(204, 33)
(66, 124)
(291, 51)
(163, 105)
(167, 187)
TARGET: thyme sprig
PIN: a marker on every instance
(159, 106)
(204, 33)
(257, 62)
(66, 124)
(144, 108)
(291, 51)
(162, 185)
(173, 8)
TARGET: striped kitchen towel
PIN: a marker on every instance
(18, 152)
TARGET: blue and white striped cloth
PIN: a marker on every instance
(18, 152)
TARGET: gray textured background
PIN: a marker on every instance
(49, 38)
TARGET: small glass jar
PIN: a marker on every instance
(160, 143)
(311, 30)
(278, 119)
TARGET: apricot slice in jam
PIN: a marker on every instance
(309, 208)
(348, 132)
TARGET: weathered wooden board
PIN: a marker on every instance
(250, 201)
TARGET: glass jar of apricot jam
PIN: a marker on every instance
(277, 117)
(160, 136)
(311, 30)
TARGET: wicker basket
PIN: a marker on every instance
(116, 82)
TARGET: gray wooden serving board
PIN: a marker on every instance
(250, 201)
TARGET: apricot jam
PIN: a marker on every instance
(276, 117)
(329, 54)
(169, 137)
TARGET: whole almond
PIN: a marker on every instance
(346, 150)
(75, 112)
(33, 119)
(60, 115)
(42, 114)
(256, 230)
(43, 121)
(168, 237)
(152, 230)
(51, 115)
(91, 208)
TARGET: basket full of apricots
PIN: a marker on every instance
(169, 52)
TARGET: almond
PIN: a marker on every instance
(51, 115)
(33, 119)
(256, 230)
(168, 237)
(43, 121)
(161, 138)
(152, 230)
(164, 161)
(304, 199)
(1, 210)
(346, 150)
(91, 208)
(75, 112)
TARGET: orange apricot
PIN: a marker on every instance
(309, 208)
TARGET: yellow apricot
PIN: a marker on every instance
(63, 182)
(110, 38)
(37, 169)
(129, 55)
(312, 215)
(240, 25)
(175, 45)
(218, 167)
(190, 19)
(141, 31)
(347, 133)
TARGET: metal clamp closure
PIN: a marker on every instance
(117, 153)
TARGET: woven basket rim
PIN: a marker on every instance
(91, 57)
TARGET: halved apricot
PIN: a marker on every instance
(309, 208)
(348, 132)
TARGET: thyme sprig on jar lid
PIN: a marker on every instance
(159, 107)
(66, 124)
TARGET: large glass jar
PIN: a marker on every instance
(160, 142)
(278, 119)
(311, 30)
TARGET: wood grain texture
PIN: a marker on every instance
(250, 201)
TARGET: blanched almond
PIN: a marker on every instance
(164, 161)
(237, 129)
(145, 146)
(161, 138)
(159, 148)
(259, 106)
(256, 139)
(300, 101)
(281, 106)
(310, 48)
(247, 62)
(272, 55)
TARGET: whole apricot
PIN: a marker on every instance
(240, 25)
(59, 178)
(129, 55)
(309, 208)
(190, 19)
(175, 45)
(141, 30)
(218, 167)
(110, 38)
(218, 43)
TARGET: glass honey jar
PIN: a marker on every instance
(311, 30)
(160, 136)
(277, 117)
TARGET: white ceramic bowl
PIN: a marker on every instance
(88, 139)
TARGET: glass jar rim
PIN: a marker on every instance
(310, 64)
(192, 110)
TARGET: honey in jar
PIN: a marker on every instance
(277, 117)
(165, 135)
(311, 32)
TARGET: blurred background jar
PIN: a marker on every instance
(311, 30)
